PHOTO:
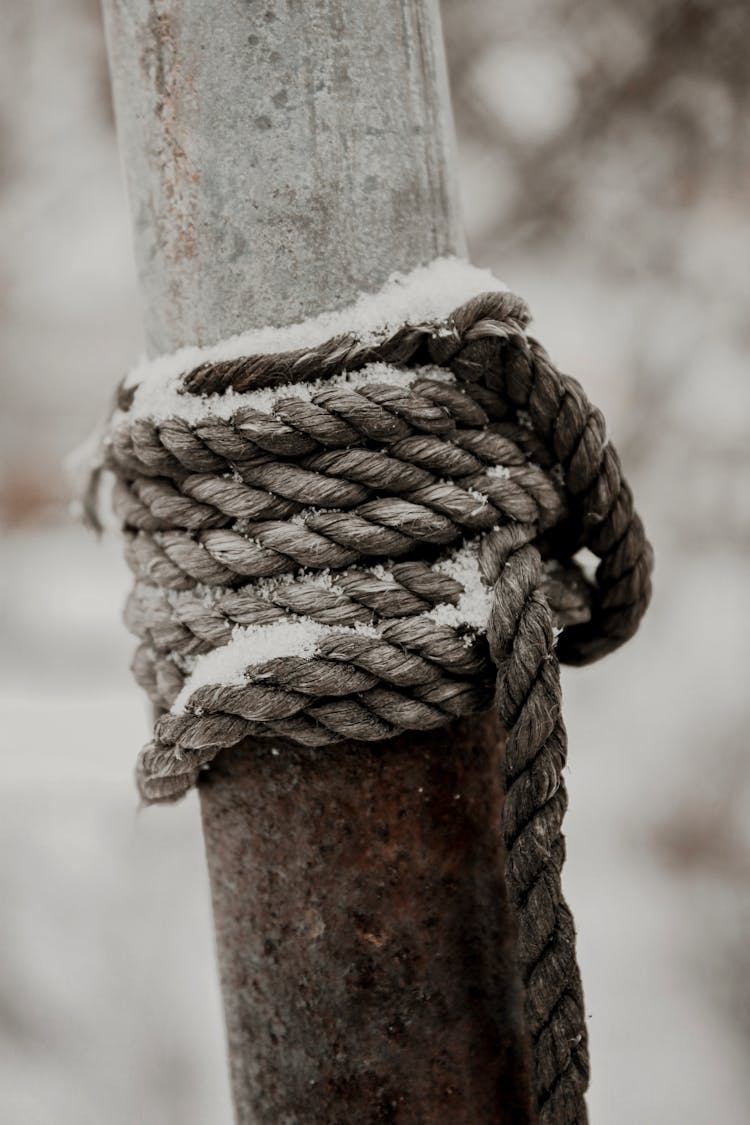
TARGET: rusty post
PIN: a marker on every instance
(362, 927)
(281, 157)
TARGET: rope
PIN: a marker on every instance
(377, 518)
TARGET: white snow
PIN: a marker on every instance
(473, 607)
(159, 396)
(255, 644)
(427, 294)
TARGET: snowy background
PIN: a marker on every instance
(605, 157)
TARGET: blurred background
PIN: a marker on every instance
(604, 161)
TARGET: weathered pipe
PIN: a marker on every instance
(281, 157)
(363, 934)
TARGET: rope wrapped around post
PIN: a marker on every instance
(370, 538)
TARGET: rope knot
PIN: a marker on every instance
(359, 538)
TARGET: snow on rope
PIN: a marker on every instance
(368, 524)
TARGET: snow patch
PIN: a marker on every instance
(159, 398)
(474, 605)
(256, 644)
(427, 294)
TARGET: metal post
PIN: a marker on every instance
(280, 158)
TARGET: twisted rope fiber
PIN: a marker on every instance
(283, 515)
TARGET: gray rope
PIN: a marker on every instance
(228, 521)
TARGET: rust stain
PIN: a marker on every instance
(174, 89)
(372, 939)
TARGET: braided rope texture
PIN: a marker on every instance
(339, 507)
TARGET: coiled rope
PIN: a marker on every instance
(361, 522)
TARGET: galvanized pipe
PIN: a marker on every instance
(280, 157)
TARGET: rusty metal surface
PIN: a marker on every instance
(363, 932)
